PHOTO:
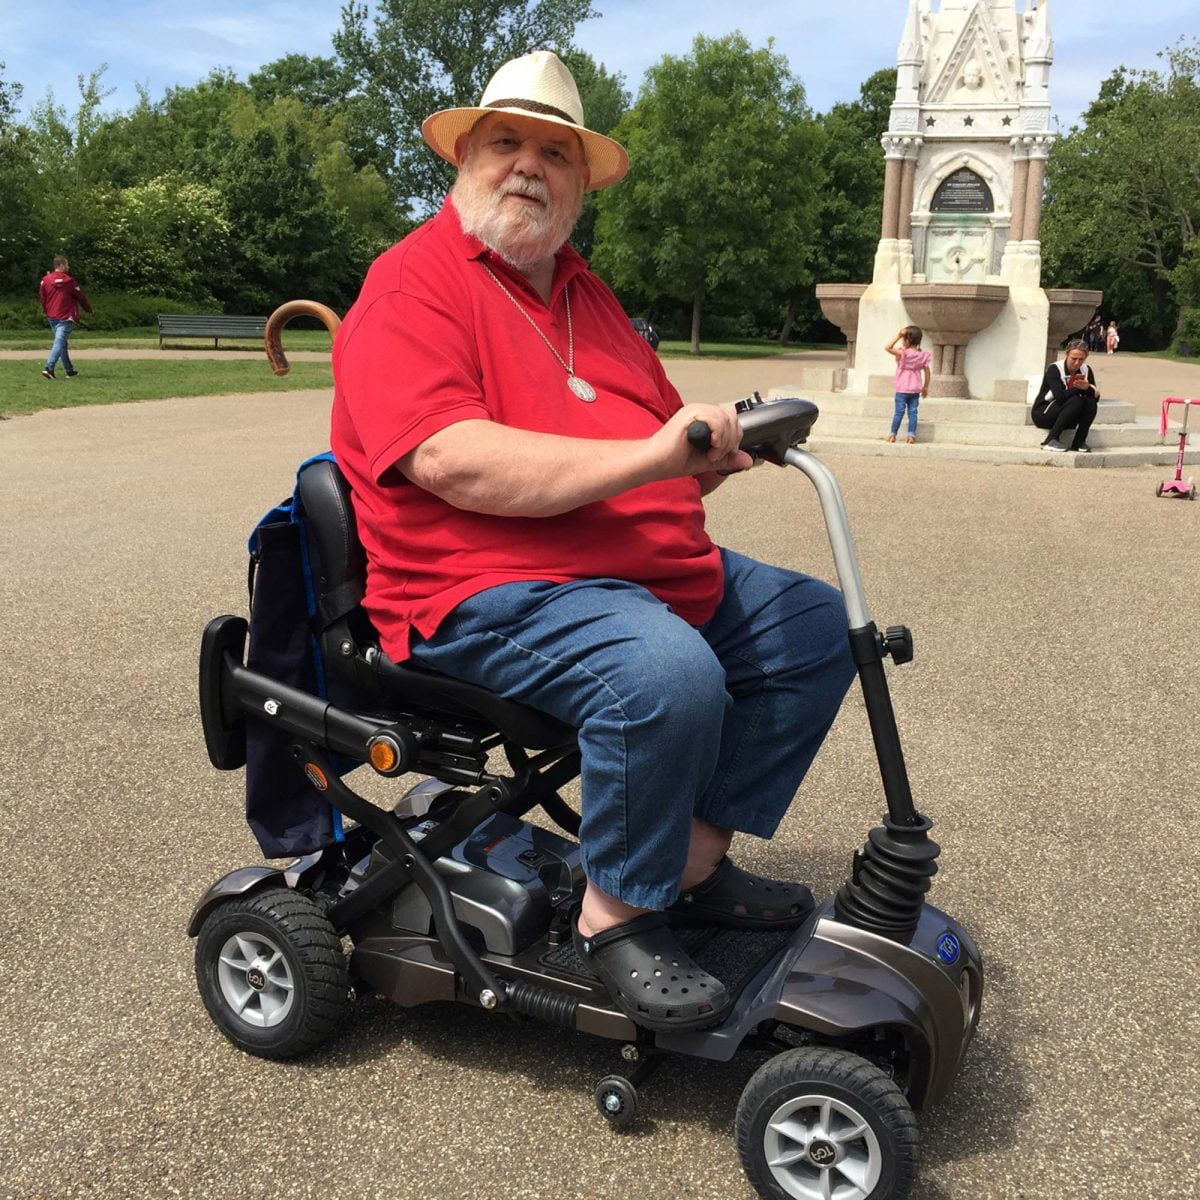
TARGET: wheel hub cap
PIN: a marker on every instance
(819, 1148)
(255, 979)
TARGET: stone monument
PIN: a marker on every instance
(960, 253)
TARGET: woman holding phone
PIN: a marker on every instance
(1067, 399)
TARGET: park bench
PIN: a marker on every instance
(208, 325)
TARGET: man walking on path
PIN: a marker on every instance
(61, 297)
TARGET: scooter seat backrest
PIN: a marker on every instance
(358, 674)
(339, 562)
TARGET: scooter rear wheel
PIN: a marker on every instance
(271, 973)
(815, 1123)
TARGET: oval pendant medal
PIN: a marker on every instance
(582, 389)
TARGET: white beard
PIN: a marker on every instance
(524, 236)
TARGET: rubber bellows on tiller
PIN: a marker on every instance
(891, 875)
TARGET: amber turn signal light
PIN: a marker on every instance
(384, 755)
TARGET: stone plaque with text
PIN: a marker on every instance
(962, 192)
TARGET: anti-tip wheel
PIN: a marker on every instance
(617, 1100)
(820, 1123)
(272, 974)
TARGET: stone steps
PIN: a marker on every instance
(1142, 433)
(983, 412)
(1133, 456)
(985, 431)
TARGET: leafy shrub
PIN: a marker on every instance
(17, 312)
(113, 310)
(1187, 332)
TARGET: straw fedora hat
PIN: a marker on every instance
(535, 85)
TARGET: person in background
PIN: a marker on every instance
(1066, 399)
(1112, 339)
(912, 378)
(61, 297)
(1094, 333)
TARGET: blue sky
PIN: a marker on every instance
(831, 48)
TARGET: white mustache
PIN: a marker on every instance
(532, 188)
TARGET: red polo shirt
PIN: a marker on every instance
(432, 340)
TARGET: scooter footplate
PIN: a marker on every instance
(734, 956)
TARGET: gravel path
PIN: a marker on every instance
(1050, 720)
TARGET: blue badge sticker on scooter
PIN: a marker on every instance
(948, 948)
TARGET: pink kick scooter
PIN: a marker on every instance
(1178, 487)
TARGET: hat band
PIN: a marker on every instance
(546, 110)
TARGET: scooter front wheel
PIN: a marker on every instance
(814, 1123)
(271, 973)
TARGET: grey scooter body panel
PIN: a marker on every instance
(838, 982)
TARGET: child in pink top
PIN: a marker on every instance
(912, 378)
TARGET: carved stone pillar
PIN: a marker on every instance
(1016, 226)
(1034, 184)
(907, 176)
(891, 196)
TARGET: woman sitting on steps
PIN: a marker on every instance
(1067, 399)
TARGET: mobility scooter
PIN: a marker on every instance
(865, 1011)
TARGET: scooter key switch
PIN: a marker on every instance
(898, 642)
(745, 405)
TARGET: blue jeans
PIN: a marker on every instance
(909, 401)
(58, 350)
(720, 722)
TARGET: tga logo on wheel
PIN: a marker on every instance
(822, 1153)
(948, 948)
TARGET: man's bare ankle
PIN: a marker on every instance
(601, 911)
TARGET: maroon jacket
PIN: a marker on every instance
(61, 296)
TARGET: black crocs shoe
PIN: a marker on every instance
(651, 978)
(736, 899)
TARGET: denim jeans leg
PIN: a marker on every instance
(782, 640)
(914, 402)
(58, 348)
(645, 692)
(898, 415)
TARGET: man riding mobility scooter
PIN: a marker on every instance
(866, 1009)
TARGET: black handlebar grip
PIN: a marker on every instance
(699, 436)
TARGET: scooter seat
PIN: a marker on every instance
(359, 675)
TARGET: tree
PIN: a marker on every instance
(423, 55)
(605, 101)
(723, 184)
(1123, 196)
(21, 230)
(315, 81)
(852, 198)
(10, 93)
(167, 237)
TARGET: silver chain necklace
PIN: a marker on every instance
(579, 387)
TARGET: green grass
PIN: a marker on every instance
(1169, 355)
(146, 338)
(113, 381)
(748, 348)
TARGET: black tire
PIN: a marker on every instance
(299, 999)
(879, 1163)
(617, 1101)
(1158, 491)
